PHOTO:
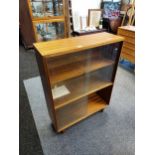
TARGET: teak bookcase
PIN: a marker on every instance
(78, 75)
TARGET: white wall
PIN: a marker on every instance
(80, 8)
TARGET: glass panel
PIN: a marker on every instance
(72, 112)
(76, 75)
(41, 31)
(59, 29)
(58, 7)
(79, 109)
(48, 8)
(50, 31)
(82, 85)
(37, 9)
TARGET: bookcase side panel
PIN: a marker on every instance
(106, 93)
(118, 47)
(46, 86)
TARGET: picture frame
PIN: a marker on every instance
(94, 16)
(109, 7)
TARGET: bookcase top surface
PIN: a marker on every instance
(75, 44)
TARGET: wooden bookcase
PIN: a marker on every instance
(78, 75)
(42, 20)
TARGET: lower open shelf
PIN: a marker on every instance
(93, 103)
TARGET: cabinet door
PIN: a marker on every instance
(75, 76)
(46, 8)
(49, 31)
(82, 73)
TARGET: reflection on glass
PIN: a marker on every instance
(58, 7)
(60, 30)
(48, 9)
(42, 8)
(50, 31)
(37, 9)
(74, 75)
(51, 34)
(72, 112)
(41, 31)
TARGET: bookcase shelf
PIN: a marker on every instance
(78, 68)
(78, 79)
(82, 86)
(95, 104)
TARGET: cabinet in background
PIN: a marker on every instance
(43, 20)
(128, 49)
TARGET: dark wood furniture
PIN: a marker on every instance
(128, 49)
(78, 75)
(70, 18)
(81, 33)
(111, 18)
(112, 24)
(42, 20)
(26, 25)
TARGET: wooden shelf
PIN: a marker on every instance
(78, 68)
(82, 86)
(95, 104)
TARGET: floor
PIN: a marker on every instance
(115, 126)
(28, 137)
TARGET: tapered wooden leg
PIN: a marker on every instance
(102, 110)
(62, 131)
(55, 129)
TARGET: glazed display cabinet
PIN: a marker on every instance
(43, 20)
(78, 75)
